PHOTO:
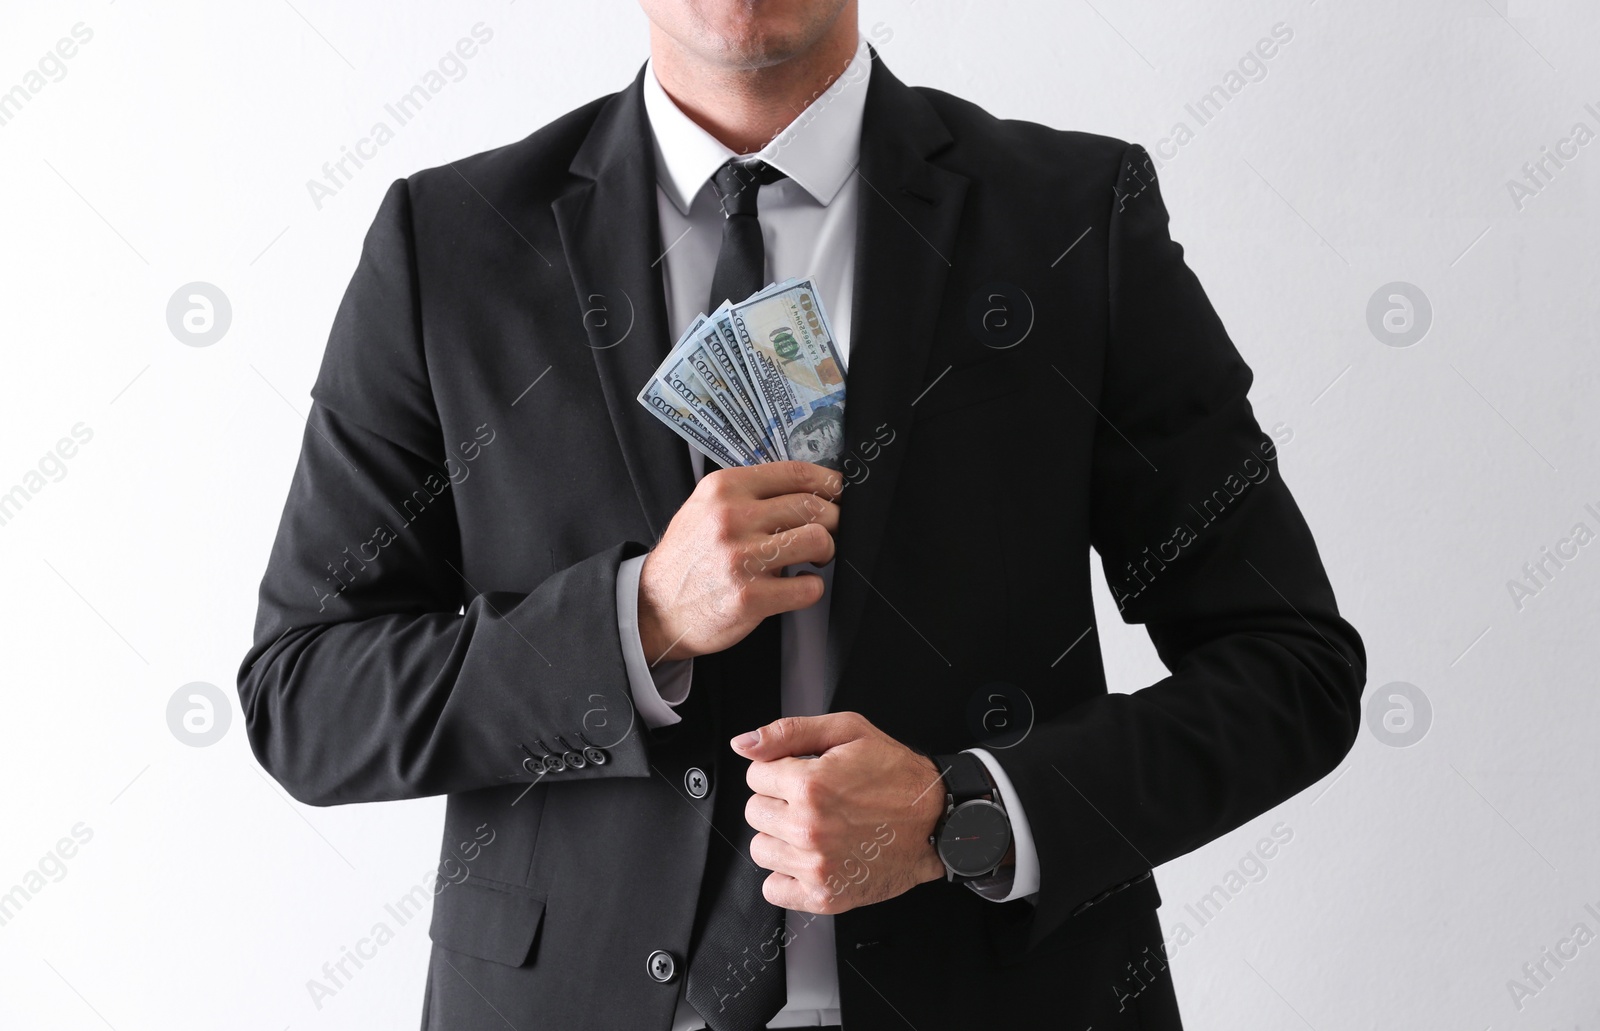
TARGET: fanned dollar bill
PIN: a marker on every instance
(757, 381)
(672, 410)
(797, 369)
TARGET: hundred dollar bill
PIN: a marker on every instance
(722, 343)
(666, 405)
(688, 379)
(722, 370)
(784, 338)
(717, 370)
(681, 399)
(769, 387)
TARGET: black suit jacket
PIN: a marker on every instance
(439, 602)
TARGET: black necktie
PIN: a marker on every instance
(736, 974)
(741, 263)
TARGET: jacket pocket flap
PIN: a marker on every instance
(1013, 938)
(490, 921)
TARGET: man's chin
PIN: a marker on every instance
(758, 51)
(768, 34)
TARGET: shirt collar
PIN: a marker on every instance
(818, 150)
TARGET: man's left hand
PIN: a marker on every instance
(847, 828)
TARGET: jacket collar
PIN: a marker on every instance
(818, 151)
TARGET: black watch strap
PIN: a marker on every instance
(965, 777)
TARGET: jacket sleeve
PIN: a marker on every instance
(1201, 543)
(376, 672)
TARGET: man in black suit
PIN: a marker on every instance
(498, 578)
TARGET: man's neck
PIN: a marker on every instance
(745, 108)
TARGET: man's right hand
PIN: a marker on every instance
(718, 570)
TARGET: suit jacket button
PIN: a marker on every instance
(533, 766)
(596, 756)
(696, 782)
(661, 966)
(574, 760)
(553, 763)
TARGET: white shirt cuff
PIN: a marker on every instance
(655, 690)
(1022, 880)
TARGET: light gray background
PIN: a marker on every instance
(1377, 148)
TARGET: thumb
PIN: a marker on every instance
(800, 735)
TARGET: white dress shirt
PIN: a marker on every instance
(808, 225)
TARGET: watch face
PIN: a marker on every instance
(974, 838)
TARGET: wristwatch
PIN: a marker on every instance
(974, 833)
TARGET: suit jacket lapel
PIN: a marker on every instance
(909, 213)
(611, 236)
